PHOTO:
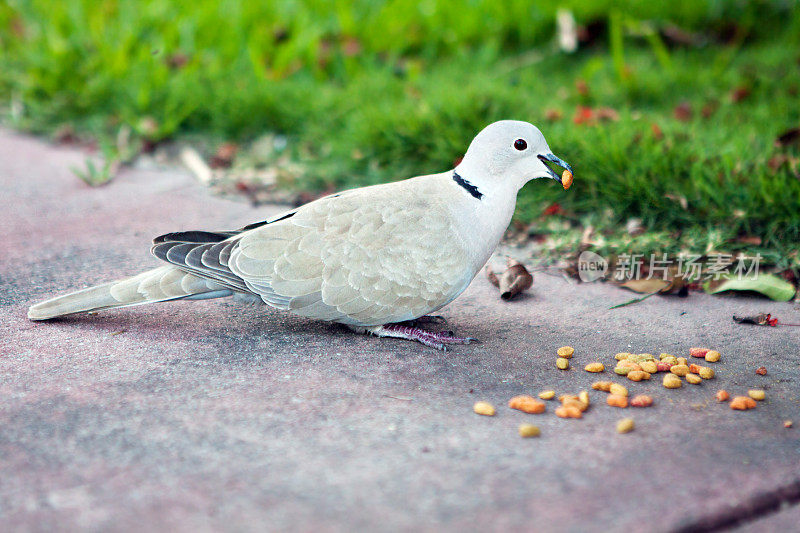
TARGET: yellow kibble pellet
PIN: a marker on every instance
(562, 363)
(706, 373)
(618, 389)
(529, 430)
(483, 408)
(649, 366)
(712, 356)
(565, 352)
(671, 381)
(594, 367)
(547, 394)
(683, 361)
(583, 396)
(757, 394)
(679, 370)
(625, 425)
(604, 386)
(622, 355)
(638, 375)
(694, 379)
(665, 356)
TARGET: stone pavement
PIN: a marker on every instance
(212, 415)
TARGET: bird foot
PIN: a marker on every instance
(426, 319)
(437, 340)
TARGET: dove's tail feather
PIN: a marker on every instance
(158, 285)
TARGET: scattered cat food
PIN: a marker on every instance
(618, 389)
(638, 375)
(526, 404)
(761, 371)
(569, 412)
(562, 364)
(622, 355)
(672, 381)
(705, 372)
(743, 403)
(625, 425)
(787, 424)
(698, 352)
(583, 396)
(547, 394)
(616, 400)
(722, 396)
(694, 379)
(565, 352)
(713, 356)
(484, 408)
(651, 367)
(757, 394)
(681, 361)
(604, 386)
(679, 370)
(594, 367)
(529, 430)
(641, 400)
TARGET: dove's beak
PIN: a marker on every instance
(566, 178)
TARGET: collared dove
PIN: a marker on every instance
(375, 258)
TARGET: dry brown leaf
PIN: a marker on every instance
(646, 286)
(514, 280)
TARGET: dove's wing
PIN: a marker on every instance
(359, 258)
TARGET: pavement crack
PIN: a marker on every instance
(754, 508)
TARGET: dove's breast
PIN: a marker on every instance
(371, 256)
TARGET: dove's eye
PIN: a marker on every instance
(520, 144)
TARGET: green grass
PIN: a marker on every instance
(369, 92)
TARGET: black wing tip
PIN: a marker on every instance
(196, 237)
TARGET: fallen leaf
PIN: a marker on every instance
(643, 286)
(683, 112)
(514, 280)
(769, 285)
(761, 319)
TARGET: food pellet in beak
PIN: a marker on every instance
(566, 179)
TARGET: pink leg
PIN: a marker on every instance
(436, 340)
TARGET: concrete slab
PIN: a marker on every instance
(214, 415)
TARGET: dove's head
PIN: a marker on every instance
(509, 153)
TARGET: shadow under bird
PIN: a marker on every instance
(376, 258)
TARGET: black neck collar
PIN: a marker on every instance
(467, 186)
